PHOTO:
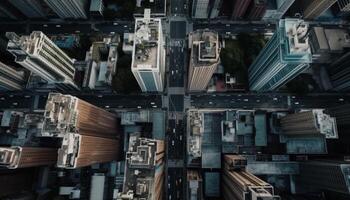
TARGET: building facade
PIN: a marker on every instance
(286, 55)
(324, 175)
(30, 8)
(148, 57)
(41, 56)
(240, 8)
(257, 9)
(11, 79)
(310, 123)
(205, 57)
(316, 8)
(238, 184)
(144, 170)
(75, 9)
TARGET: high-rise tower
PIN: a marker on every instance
(285, 56)
(205, 57)
(41, 56)
(69, 8)
(148, 57)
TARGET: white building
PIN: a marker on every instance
(41, 56)
(148, 57)
(69, 8)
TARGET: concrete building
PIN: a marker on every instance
(324, 175)
(313, 122)
(344, 5)
(75, 9)
(194, 185)
(205, 57)
(239, 9)
(341, 113)
(257, 9)
(8, 12)
(148, 57)
(328, 44)
(84, 143)
(282, 7)
(238, 184)
(339, 73)
(30, 8)
(215, 9)
(200, 9)
(144, 170)
(21, 157)
(101, 69)
(41, 56)
(286, 55)
(316, 8)
(11, 79)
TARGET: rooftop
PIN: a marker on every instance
(205, 48)
(147, 39)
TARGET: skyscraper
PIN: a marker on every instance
(238, 184)
(69, 8)
(30, 8)
(317, 7)
(324, 175)
(41, 56)
(148, 57)
(313, 122)
(257, 9)
(205, 57)
(144, 170)
(200, 9)
(282, 8)
(285, 56)
(84, 143)
(344, 5)
(21, 157)
(240, 8)
(10, 79)
(215, 8)
(339, 73)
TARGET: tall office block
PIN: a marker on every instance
(257, 9)
(324, 175)
(285, 56)
(238, 184)
(200, 9)
(10, 79)
(194, 185)
(21, 157)
(205, 57)
(317, 7)
(344, 5)
(282, 7)
(313, 122)
(90, 134)
(41, 56)
(341, 113)
(30, 8)
(67, 114)
(7, 11)
(148, 57)
(240, 8)
(82, 150)
(339, 73)
(144, 170)
(69, 8)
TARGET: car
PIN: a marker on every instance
(173, 143)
